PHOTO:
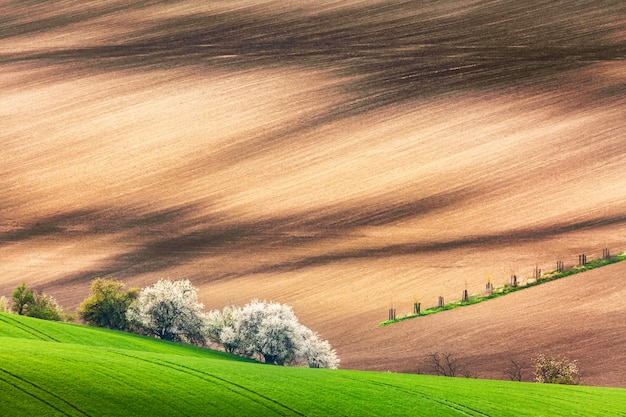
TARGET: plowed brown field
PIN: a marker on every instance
(341, 157)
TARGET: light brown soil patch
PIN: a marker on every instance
(341, 171)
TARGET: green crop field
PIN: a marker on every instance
(59, 369)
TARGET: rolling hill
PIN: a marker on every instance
(341, 157)
(67, 370)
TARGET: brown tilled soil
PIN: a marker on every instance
(342, 157)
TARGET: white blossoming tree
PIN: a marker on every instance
(269, 331)
(220, 328)
(316, 352)
(549, 370)
(169, 310)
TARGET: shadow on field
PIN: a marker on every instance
(168, 238)
(386, 52)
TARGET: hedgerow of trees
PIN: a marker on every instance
(269, 332)
(265, 331)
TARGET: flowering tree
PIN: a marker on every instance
(270, 331)
(556, 371)
(169, 310)
(220, 328)
(317, 353)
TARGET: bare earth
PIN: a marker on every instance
(341, 157)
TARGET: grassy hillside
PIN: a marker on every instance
(58, 369)
(339, 157)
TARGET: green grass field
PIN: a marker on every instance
(59, 369)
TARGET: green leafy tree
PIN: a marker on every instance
(44, 307)
(107, 304)
(22, 297)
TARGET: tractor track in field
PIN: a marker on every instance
(120, 381)
(28, 329)
(446, 403)
(231, 386)
(50, 393)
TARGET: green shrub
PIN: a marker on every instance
(44, 307)
(549, 370)
(4, 304)
(107, 304)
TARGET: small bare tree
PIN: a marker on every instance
(447, 364)
(514, 371)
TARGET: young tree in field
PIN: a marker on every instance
(514, 371)
(22, 297)
(169, 310)
(448, 364)
(107, 304)
(556, 371)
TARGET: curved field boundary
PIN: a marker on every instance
(507, 289)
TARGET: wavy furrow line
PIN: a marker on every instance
(31, 394)
(94, 368)
(28, 329)
(231, 386)
(468, 411)
(273, 401)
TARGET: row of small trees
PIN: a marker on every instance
(546, 369)
(170, 310)
(27, 302)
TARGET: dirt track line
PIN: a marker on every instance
(30, 330)
(43, 390)
(253, 395)
(92, 367)
(463, 409)
(225, 381)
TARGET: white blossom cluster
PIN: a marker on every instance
(264, 331)
(556, 371)
(269, 331)
(169, 310)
